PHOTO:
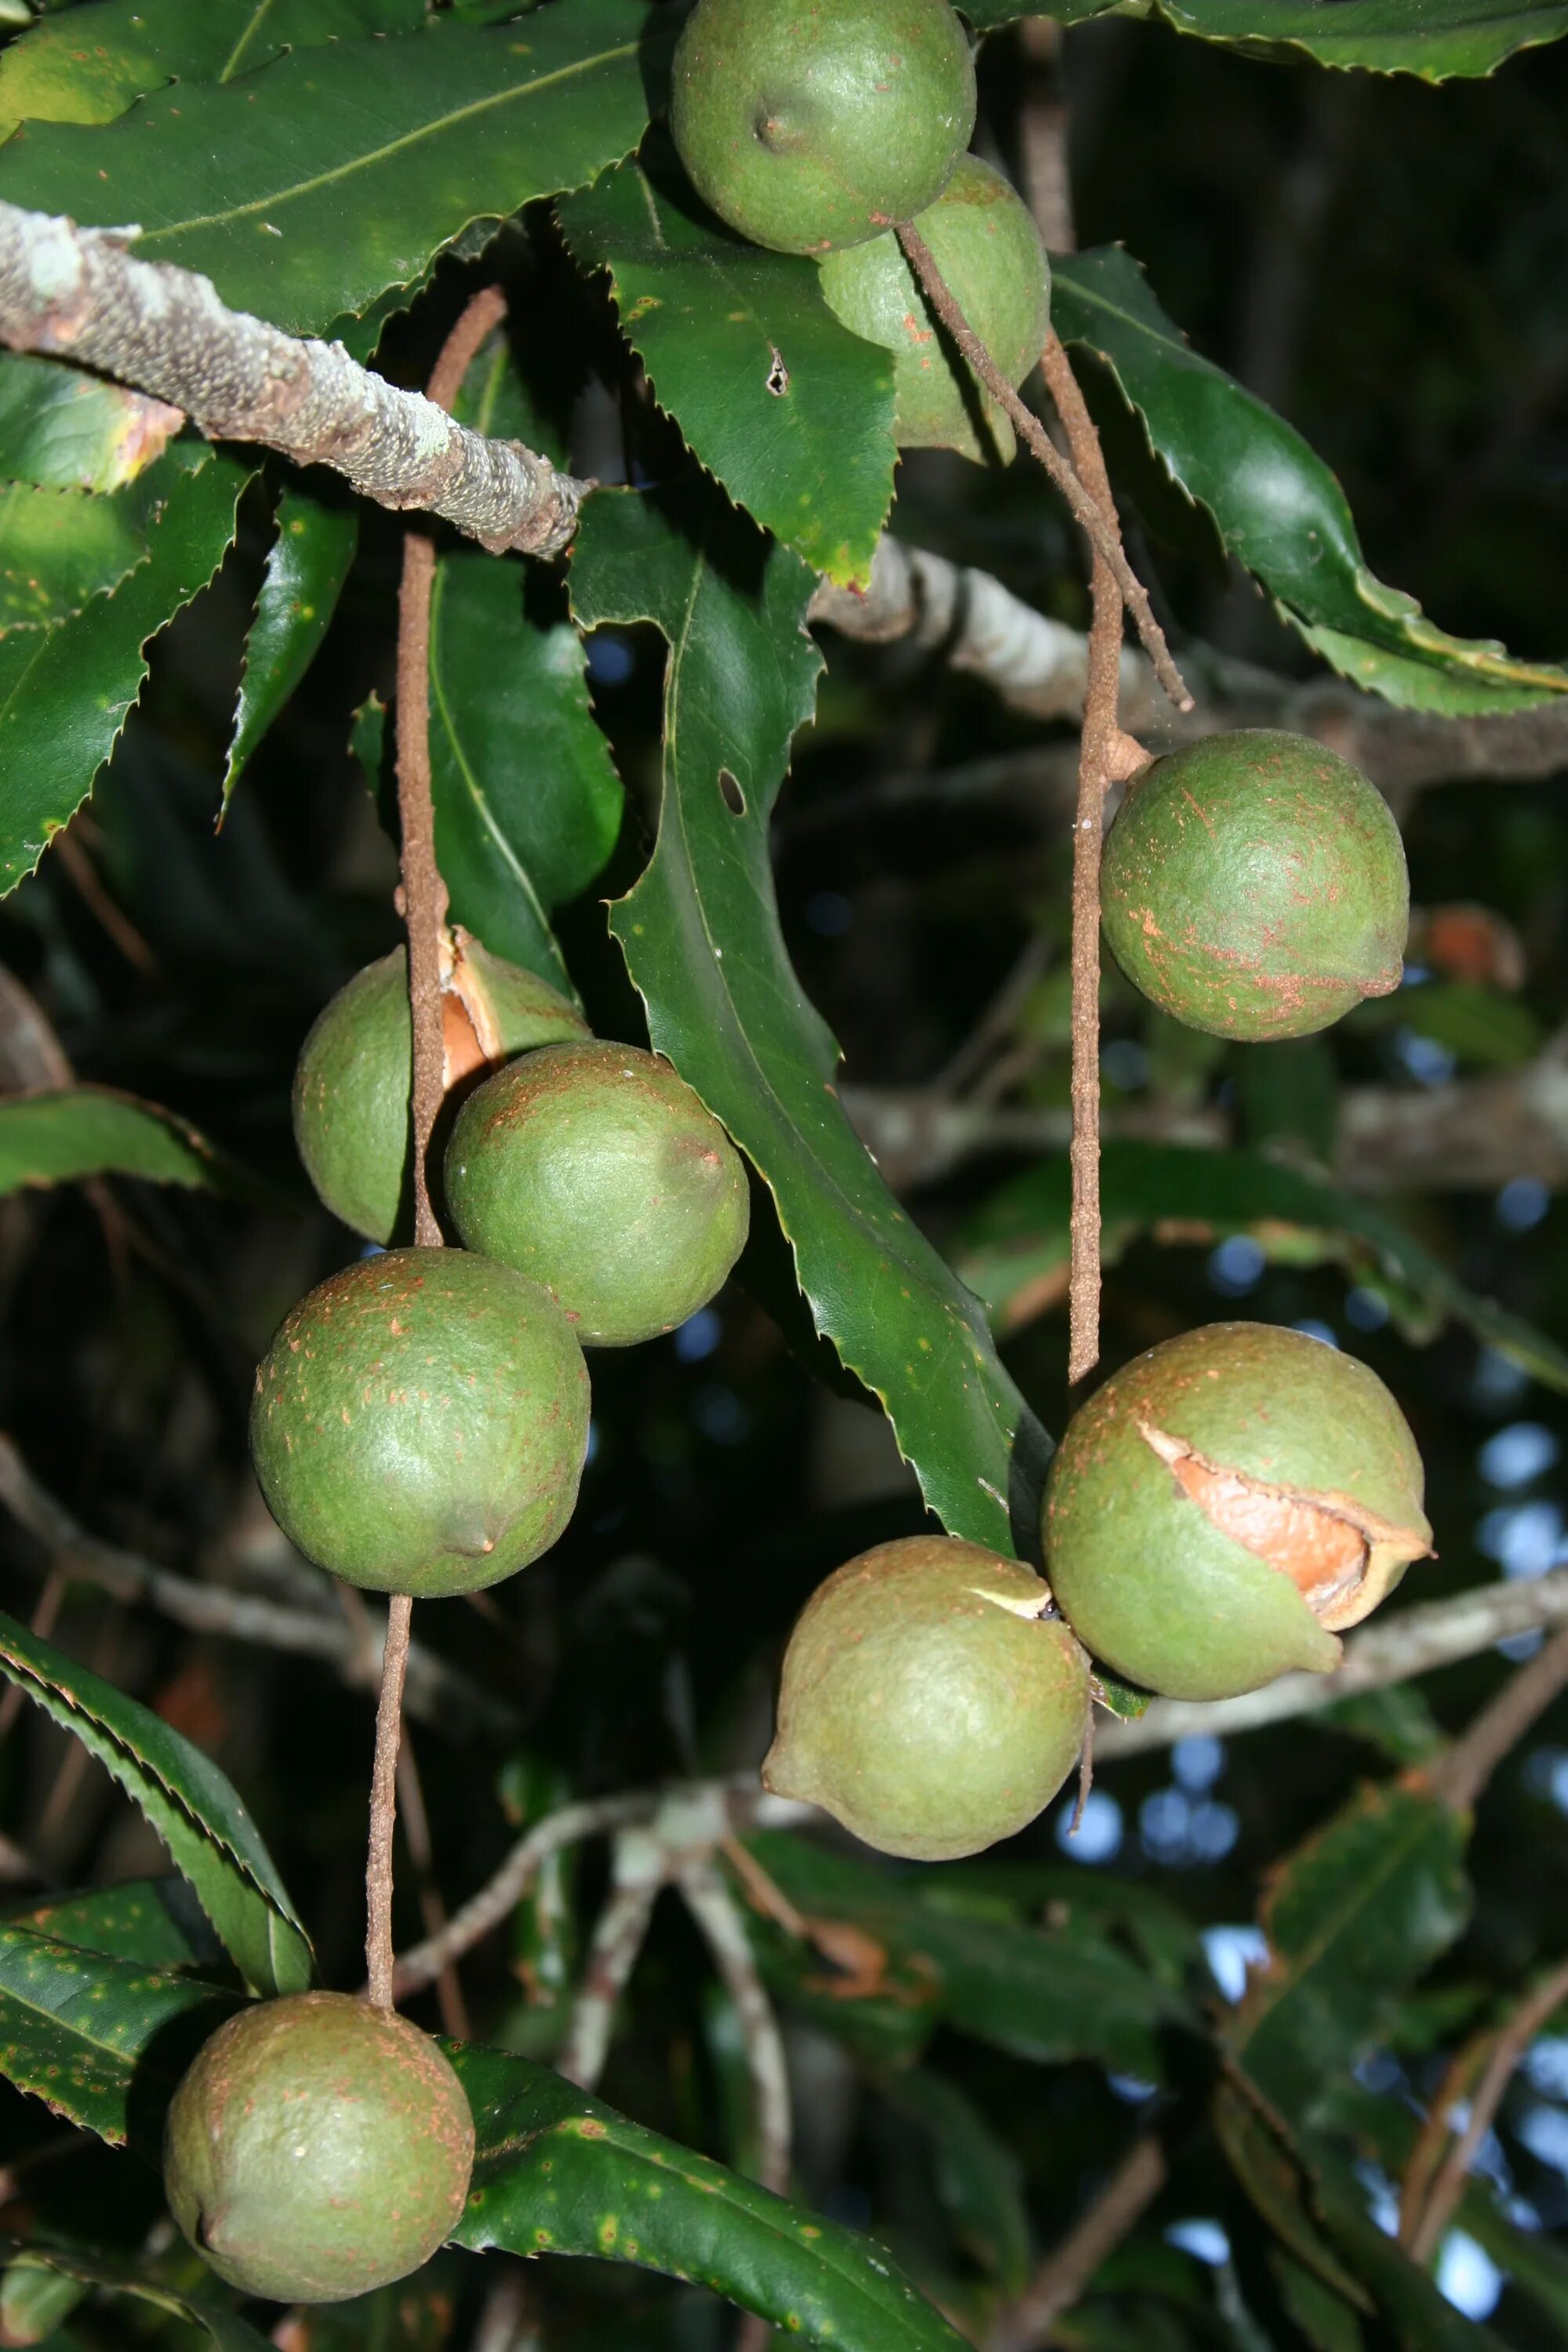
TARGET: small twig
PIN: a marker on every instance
(432, 1909)
(1068, 2268)
(967, 1063)
(1434, 2136)
(384, 1803)
(1470, 1762)
(639, 1868)
(1512, 2040)
(78, 292)
(714, 1908)
(1411, 1642)
(501, 1893)
(1106, 756)
(1085, 510)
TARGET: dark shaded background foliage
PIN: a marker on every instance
(1388, 264)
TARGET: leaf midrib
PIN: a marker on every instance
(372, 157)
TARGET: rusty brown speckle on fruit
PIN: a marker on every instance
(1341, 1557)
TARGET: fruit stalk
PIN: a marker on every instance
(424, 903)
(1105, 753)
(1085, 510)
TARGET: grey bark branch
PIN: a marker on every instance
(79, 294)
(1397, 1649)
(719, 1916)
(436, 1692)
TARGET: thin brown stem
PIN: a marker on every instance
(1085, 510)
(1062, 2278)
(1512, 2040)
(1105, 754)
(1433, 2139)
(423, 898)
(384, 1803)
(1475, 1756)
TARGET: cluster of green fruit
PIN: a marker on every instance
(419, 1426)
(1218, 1514)
(820, 129)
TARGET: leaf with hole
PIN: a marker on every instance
(793, 413)
(211, 1838)
(65, 692)
(1014, 1248)
(701, 936)
(306, 567)
(1435, 40)
(1279, 508)
(336, 175)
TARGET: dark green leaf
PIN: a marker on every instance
(1354, 1917)
(1421, 2318)
(1279, 508)
(528, 802)
(64, 693)
(978, 2177)
(35, 2302)
(306, 567)
(1014, 1251)
(316, 187)
(60, 549)
(210, 1836)
(700, 932)
(1479, 1027)
(1274, 2174)
(793, 413)
(102, 2041)
(1434, 39)
(150, 1920)
(1041, 1996)
(61, 430)
(556, 2172)
(112, 52)
(53, 1139)
(1326, 2320)
(224, 2328)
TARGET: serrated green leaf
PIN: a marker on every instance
(528, 802)
(336, 175)
(224, 2328)
(152, 1921)
(555, 2172)
(60, 549)
(65, 692)
(1278, 508)
(1354, 1917)
(977, 2174)
(793, 413)
(1435, 40)
(1014, 1250)
(211, 1838)
(701, 934)
(61, 430)
(54, 1139)
(112, 52)
(1039, 1996)
(306, 567)
(103, 2041)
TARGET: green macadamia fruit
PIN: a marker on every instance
(317, 2147)
(927, 1701)
(984, 241)
(595, 1169)
(1226, 1505)
(351, 1087)
(419, 1423)
(810, 124)
(1254, 885)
